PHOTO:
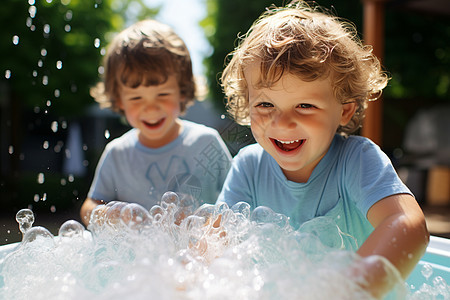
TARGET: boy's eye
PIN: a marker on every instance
(264, 104)
(134, 98)
(306, 106)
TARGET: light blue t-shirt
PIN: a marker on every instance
(195, 164)
(352, 176)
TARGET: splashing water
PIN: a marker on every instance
(25, 218)
(171, 253)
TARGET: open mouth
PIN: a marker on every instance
(288, 146)
(154, 124)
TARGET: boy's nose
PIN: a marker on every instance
(284, 120)
(151, 106)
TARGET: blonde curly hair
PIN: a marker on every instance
(309, 43)
(147, 53)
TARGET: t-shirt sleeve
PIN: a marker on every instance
(371, 176)
(237, 186)
(103, 186)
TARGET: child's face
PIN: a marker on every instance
(154, 111)
(295, 121)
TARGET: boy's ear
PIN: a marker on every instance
(348, 110)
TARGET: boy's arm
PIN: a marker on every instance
(86, 209)
(400, 233)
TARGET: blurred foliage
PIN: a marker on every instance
(51, 49)
(227, 19)
(50, 57)
(417, 54)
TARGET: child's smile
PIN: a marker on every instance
(288, 146)
(154, 124)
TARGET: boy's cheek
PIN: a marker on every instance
(259, 123)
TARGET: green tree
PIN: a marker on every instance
(227, 19)
(50, 57)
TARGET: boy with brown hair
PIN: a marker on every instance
(148, 78)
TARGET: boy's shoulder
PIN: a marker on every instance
(198, 130)
(253, 152)
(353, 141)
(354, 146)
(127, 140)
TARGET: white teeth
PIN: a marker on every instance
(288, 142)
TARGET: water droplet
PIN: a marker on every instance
(63, 181)
(43, 52)
(40, 63)
(71, 229)
(15, 40)
(67, 28)
(54, 126)
(11, 149)
(25, 218)
(36, 198)
(31, 2)
(101, 70)
(40, 178)
(71, 178)
(58, 147)
(59, 65)
(57, 93)
(97, 42)
(427, 271)
(35, 73)
(8, 74)
(45, 80)
(32, 10)
(45, 145)
(46, 29)
(222, 117)
(44, 197)
(107, 134)
(48, 103)
(53, 209)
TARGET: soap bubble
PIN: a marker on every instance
(40, 234)
(71, 229)
(170, 197)
(134, 216)
(427, 271)
(25, 218)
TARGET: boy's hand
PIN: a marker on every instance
(375, 274)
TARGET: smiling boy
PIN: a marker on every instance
(302, 79)
(148, 78)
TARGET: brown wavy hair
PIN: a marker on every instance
(147, 53)
(309, 43)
